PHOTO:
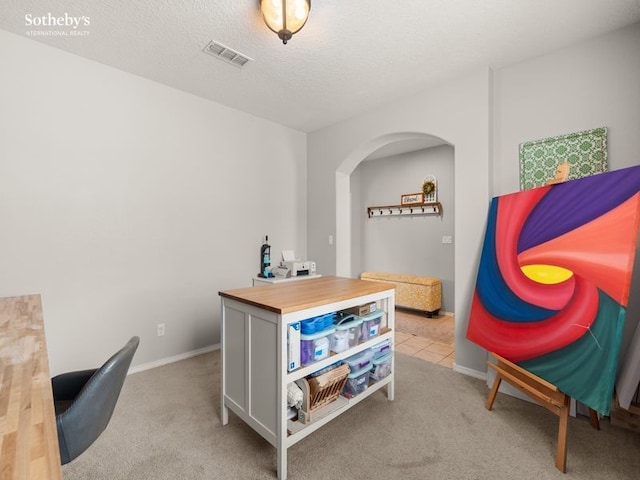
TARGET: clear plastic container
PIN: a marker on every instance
(357, 382)
(347, 334)
(381, 367)
(371, 325)
(360, 360)
(314, 347)
(381, 349)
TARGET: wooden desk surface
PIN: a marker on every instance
(29, 439)
(294, 296)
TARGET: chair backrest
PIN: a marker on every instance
(88, 415)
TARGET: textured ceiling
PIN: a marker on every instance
(352, 55)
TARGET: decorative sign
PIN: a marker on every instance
(585, 152)
(412, 199)
(430, 189)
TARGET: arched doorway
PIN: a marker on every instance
(343, 189)
(430, 339)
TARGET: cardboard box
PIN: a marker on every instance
(362, 310)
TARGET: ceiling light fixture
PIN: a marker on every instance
(285, 17)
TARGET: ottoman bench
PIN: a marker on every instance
(412, 291)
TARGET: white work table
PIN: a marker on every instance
(254, 351)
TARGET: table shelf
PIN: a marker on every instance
(297, 430)
(385, 334)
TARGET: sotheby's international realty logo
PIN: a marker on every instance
(50, 25)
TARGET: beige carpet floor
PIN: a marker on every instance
(167, 426)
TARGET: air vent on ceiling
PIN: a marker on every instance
(227, 54)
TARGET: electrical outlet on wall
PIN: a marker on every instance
(160, 328)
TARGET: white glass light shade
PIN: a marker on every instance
(285, 17)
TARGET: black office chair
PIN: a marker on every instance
(85, 400)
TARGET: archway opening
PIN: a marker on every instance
(374, 148)
(397, 245)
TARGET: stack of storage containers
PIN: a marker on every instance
(360, 368)
(314, 338)
(339, 332)
(381, 363)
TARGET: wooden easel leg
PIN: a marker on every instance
(593, 419)
(561, 454)
(548, 395)
(493, 392)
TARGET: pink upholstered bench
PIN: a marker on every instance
(412, 291)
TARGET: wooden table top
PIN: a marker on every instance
(294, 296)
(29, 439)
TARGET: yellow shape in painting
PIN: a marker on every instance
(547, 274)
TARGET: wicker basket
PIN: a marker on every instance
(320, 391)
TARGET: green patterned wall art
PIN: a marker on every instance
(585, 151)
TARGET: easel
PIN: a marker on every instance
(545, 393)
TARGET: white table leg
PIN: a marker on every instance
(224, 414)
(282, 463)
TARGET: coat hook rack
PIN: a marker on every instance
(432, 208)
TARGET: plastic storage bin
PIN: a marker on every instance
(371, 325)
(381, 367)
(315, 346)
(360, 360)
(317, 324)
(357, 382)
(347, 334)
(381, 349)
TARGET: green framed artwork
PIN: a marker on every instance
(585, 152)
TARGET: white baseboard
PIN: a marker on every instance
(175, 358)
(469, 372)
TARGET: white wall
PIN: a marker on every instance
(126, 203)
(456, 112)
(407, 244)
(593, 84)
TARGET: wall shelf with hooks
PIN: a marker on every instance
(432, 208)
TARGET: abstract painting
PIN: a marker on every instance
(554, 278)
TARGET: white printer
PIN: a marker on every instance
(299, 268)
(296, 267)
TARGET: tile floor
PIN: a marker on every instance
(430, 339)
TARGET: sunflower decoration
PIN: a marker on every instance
(428, 187)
